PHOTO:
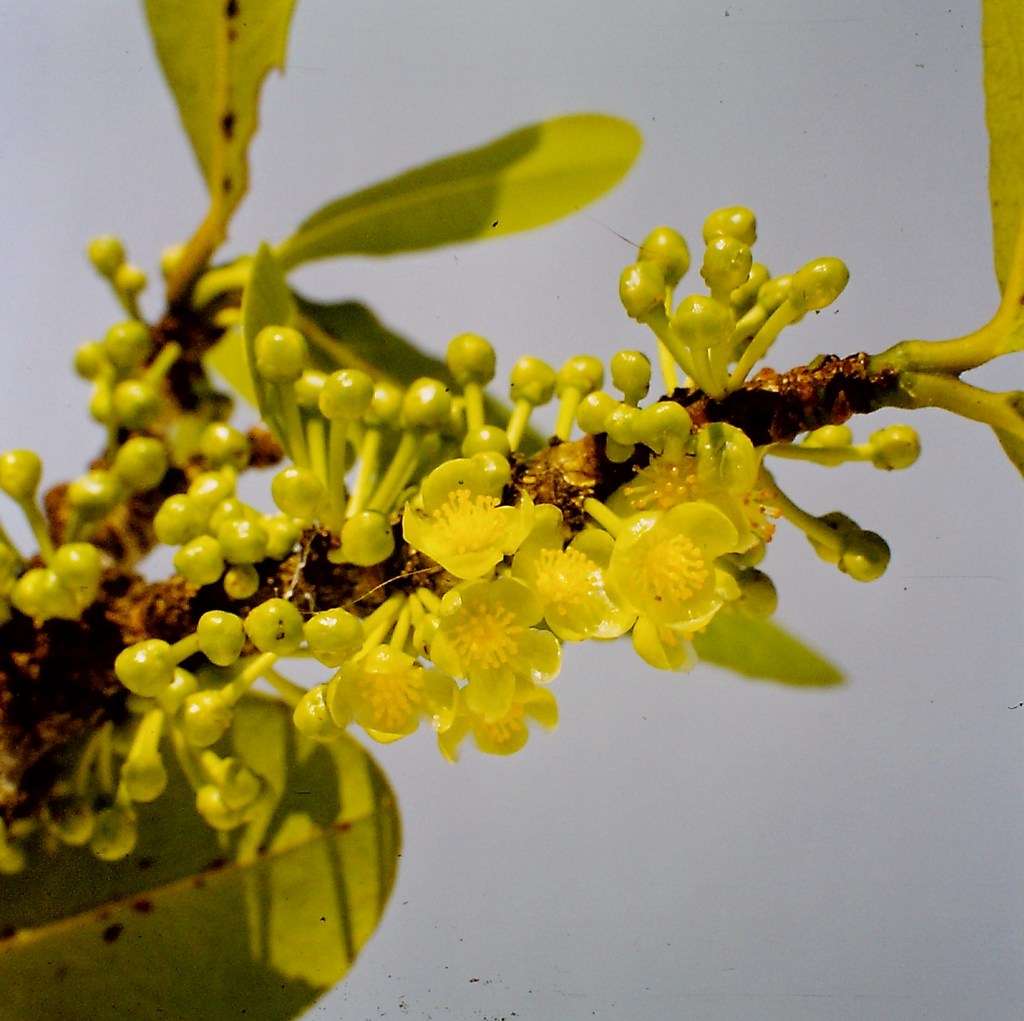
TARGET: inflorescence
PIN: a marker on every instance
(468, 639)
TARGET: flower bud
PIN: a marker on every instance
(20, 474)
(581, 372)
(731, 222)
(666, 248)
(333, 636)
(136, 403)
(281, 354)
(106, 253)
(346, 394)
(221, 637)
(594, 410)
(863, 555)
(642, 289)
(532, 380)
(275, 626)
(894, 447)
(818, 283)
(702, 322)
(726, 264)
(145, 668)
(631, 373)
(367, 539)
(127, 344)
(470, 359)
(140, 463)
(220, 444)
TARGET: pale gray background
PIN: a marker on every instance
(684, 847)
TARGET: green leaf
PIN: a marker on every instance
(182, 928)
(756, 647)
(1002, 35)
(215, 55)
(525, 179)
(1013, 446)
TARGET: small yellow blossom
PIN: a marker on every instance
(506, 734)
(387, 693)
(458, 519)
(569, 582)
(486, 636)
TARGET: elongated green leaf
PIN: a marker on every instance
(183, 928)
(757, 647)
(525, 179)
(1002, 33)
(215, 55)
(1012, 447)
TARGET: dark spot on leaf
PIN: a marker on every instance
(323, 918)
(7, 932)
(495, 224)
(232, 35)
(227, 124)
(226, 183)
(112, 932)
(143, 906)
(231, 8)
(145, 863)
(216, 864)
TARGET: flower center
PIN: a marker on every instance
(392, 696)
(466, 522)
(486, 635)
(674, 569)
(507, 729)
(565, 576)
(662, 485)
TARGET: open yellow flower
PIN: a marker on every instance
(486, 636)
(507, 734)
(663, 565)
(458, 520)
(569, 581)
(388, 693)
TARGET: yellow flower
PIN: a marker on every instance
(663, 565)
(507, 734)
(663, 647)
(458, 520)
(387, 693)
(569, 582)
(486, 636)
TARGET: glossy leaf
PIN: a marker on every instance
(1002, 30)
(757, 647)
(184, 928)
(530, 177)
(215, 55)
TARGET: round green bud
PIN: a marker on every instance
(114, 834)
(209, 488)
(228, 510)
(298, 492)
(242, 541)
(283, 533)
(39, 593)
(90, 359)
(211, 806)
(220, 444)
(642, 289)
(620, 425)
(183, 685)
(127, 344)
(726, 458)
(146, 668)
(205, 716)
(275, 626)
(136, 403)
(486, 438)
(631, 373)
(655, 423)
(702, 322)
(366, 539)
(818, 283)
(313, 718)
(129, 279)
(842, 525)
(221, 637)
(532, 380)
(95, 493)
(774, 292)
(200, 560)
(106, 253)
(170, 258)
(386, 405)
(347, 394)
(757, 593)
(829, 436)
(20, 473)
(894, 447)
(470, 359)
(333, 636)
(427, 404)
(666, 248)
(744, 297)
(144, 777)
(863, 555)
(495, 467)
(731, 222)
(101, 405)
(179, 520)
(308, 388)
(241, 581)
(726, 264)
(78, 565)
(594, 410)
(281, 354)
(581, 372)
(141, 463)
